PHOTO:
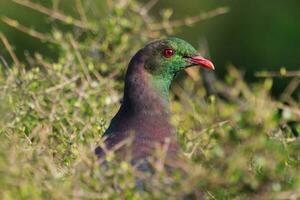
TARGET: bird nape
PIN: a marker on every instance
(144, 114)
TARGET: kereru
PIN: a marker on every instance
(144, 113)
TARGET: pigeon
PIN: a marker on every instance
(144, 114)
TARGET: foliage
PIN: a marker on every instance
(54, 112)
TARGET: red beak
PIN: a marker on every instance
(198, 60)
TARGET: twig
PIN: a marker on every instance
(293, 85)
(190, 20)
(62, 85)
(10, 49)
(15, 24)
(4, 61)
(80, 10)
(143, 11)
(288, 195)
(148, 6)
(289, 90)
(80, 59)
(282, 73)
(193, 72)
(40, 60)
(292, 109)
(211, 195)
(53, 13)
(214, 126)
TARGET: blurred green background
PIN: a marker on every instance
(254, 36)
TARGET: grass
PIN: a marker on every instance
(53, 113)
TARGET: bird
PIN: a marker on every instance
(144, 114)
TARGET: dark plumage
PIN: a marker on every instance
(144, 112)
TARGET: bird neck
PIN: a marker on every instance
(146, 94)
(161, 86)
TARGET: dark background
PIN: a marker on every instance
(254, 36)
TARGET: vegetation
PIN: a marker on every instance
(54, 111)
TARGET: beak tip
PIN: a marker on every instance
(198, 60)
(212, 67)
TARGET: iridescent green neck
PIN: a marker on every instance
(161, 85)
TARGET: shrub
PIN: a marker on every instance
(54, 112)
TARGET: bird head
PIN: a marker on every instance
(154, 67)
(171, 55)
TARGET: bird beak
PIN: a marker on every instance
(198, 60)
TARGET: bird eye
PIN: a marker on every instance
(168, 53)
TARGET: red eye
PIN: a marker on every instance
(168, 53)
